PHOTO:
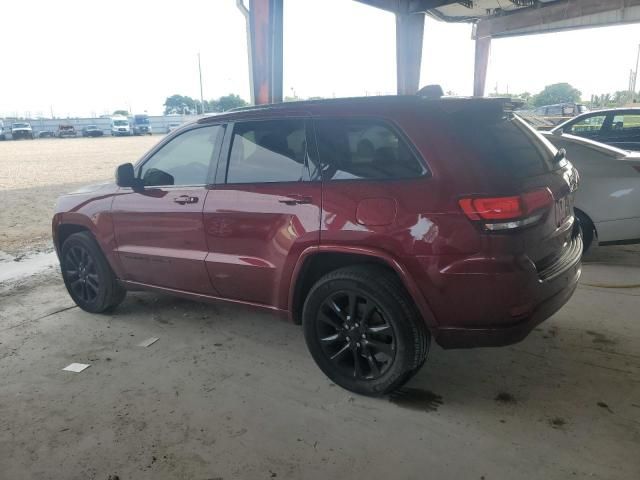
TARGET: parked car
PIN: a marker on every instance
(378, 223)
(608, 201)
(46, 134)
(92, 131)
(618, 127)
(559, 112)
(172, 126)
(66, 130)
(21, 130)
(2, 134)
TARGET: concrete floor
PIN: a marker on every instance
(230, 393)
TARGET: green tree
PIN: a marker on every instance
(121, 112)
(557, 93)
(226, 102)
(179, 104)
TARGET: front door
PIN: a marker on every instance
(159, 230)
(265, 211)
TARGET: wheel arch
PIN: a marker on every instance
(588, 217)
(316, 262)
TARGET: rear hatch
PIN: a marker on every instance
(520, 190)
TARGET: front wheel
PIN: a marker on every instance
(363, 330)
(87, 275)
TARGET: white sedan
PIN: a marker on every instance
(607, 202)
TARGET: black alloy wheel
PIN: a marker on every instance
(363, 330)
(355, 336)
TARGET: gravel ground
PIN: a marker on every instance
(34, 173)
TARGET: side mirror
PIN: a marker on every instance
(126, 177)
(561, 155)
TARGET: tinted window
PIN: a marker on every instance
(185, 160)
(504, 143)
(360, 148)
(268, 151)
(626, 122)
(589, 124)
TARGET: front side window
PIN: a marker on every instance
(626, 122)
(364, 149)
(185, 160)
(589, 124)
(268, 151)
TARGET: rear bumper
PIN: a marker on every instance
(507, 335)
(520, 304)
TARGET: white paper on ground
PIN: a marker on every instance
(76, 367)
(148, 342)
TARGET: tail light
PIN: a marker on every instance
(507, 213)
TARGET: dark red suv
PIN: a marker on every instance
(377, 223)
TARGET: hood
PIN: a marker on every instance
(107, 187)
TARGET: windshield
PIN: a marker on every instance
(120, 123)
(142, 120)
(20, 125)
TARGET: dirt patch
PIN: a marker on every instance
(416, 399)
(34, 173)
(505, 398)
(557, 422)
(600, 338)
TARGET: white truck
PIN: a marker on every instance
(120, 126)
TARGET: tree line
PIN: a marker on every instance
(186, 105)
(566, 93)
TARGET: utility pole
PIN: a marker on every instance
(200, 73)
(634, 78)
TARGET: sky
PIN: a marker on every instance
(82, 61)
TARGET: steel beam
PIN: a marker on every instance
(558, 16)
(409, 34)
(483, 47)
(264, 38)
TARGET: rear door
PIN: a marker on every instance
(159, 230)
(264, 210)
(624, 131)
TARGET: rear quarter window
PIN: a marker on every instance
(505, 144)
(361, 148)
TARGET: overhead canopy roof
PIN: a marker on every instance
(499, 18)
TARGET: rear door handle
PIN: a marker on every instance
(184, 199)
(296, 200)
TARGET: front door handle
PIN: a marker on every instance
(296, 200)
(184, 199)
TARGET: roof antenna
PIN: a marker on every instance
(431, 91)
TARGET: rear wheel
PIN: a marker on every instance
(87, 275)
(363, 330)
(587, 229)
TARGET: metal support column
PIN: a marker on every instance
(264, 39)
(483, 46)
(409, 34)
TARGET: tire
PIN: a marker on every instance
(363, 330)
(587, 229)
(87, 275)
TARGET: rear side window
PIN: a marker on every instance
(268, 151)
(364, 149)
(504, 143)
(626, 122)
